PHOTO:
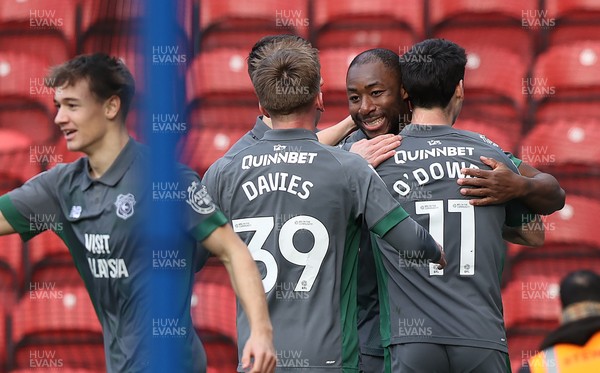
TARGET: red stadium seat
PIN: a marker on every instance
(22, 88)
(532, 301)
(239, 24)
(564, 146)
(45, 28)
(504, 135)
(3, 341)
(203, 147)
(494, 84)
(213, 303)
(334, 66)
(224, 115)
(572, 21)
(11, 271)
(54, 324)
(220, 74)
(18, 157)
(102, 14)
(477, 22)
(571, 110)
(567, 72)
(565, 82)
(363, 24)
(523, 344)
(28, 119)
(221, 355)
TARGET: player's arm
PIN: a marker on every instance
(409, 235)
(5, 227)
(539, 191)
(246, 281)
(378, 149)
(336, 133)
(528, 234)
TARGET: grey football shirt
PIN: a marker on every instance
(103, 223)
(299, 206)
(461, 304)
(368, 304)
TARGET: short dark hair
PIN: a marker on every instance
(107, 76)
(387, 57)
(288, 80)
(271, 43)
(580, 286)
(431, 70)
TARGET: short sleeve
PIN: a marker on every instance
(517, 162)
(380, 210)
(202, 216)
(33, 207)
(209, 180)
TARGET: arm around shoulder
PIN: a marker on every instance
(528, 234)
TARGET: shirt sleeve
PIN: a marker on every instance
(31, 208)
(517, 162)
(379, 209)
(202, 215)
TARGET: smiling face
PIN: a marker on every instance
(81, 117)
(374, 98)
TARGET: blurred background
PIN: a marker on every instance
(532, 86)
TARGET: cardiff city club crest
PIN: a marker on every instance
(124, 204)
(199, 199)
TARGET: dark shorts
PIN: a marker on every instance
(371, 363)
(433, 358)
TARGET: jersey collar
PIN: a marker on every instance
(116, 171)
(290, 134)
(259, 129)
(426, 130)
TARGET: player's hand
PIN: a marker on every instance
(259, 347)
(378, 149)
(442, 261)
(492, 187)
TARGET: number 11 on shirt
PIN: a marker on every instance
(435, 210)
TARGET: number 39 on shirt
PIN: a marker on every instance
(311, 260)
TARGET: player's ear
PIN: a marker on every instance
(320, 105)
(403, 93)
(263, 111)
(112, 106)
(459, 91)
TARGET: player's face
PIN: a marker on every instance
(80, 117)
(374, 98)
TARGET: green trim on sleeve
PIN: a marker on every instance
(19, 223)
(204, 229)
(389, 221)
(515, 160)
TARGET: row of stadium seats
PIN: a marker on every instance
(564, 84)
(54, 323)
(65, 26)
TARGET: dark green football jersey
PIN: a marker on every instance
(104, 224)
(461, 304)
